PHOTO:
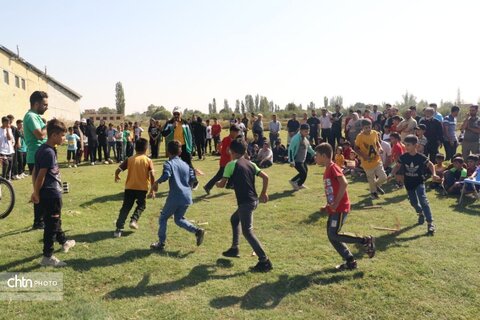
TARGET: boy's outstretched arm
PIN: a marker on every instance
(263, 194)
(221, 183)
(395, 170)
(122, 167)
(432, 170)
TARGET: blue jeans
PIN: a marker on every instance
(178, 212)
(418, 200)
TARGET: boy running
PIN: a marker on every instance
(180, 177)
(297, 154)
(368, 147)
(242, 173)
(416, 166)
(140, 176)
(47, 193)
(338, 207)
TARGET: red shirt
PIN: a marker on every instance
(225, 156)
(216, 129)
(397, 150)
(332, 172)
(346, 153)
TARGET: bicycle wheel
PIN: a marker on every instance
(7, 198)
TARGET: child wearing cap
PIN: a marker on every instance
(422, 140)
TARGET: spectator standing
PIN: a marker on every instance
(337, 119)
(313, 122)
(450, 141)
(293, 125)
(433, 133)
(471, 126)
(274, 127)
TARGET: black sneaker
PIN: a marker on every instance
(370, 246)
(207, 191)
(194, 184)
(157, 246)
(262, 266)
(374, 196)
(431, 229)
(421, 218)
(38, 226)
(231, 253)
(352, 265)
(200, 234)
(380, 190)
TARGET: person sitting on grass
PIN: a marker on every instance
(280, 154)
(453, 178)
(265, 156)
(297, 156)
(471, 164)
(140, 176)
(47, 193)
(242, 173)
(439, 170)
(415, 167)
(339, 158)
(179, 176)
(338, 208)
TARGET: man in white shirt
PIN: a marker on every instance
(7, 150)
(407, 126)
(326, 126)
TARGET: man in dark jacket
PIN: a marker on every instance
(91, 133)
(200, 136)
(102, 140)
(433, 133)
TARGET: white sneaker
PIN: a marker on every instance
(106, 162)
(294, 185)
(68, 245)
(93, 163)
(133, 224)
(117, 234)
(69, 165)
(52, 262)
(74, 165)
(23, 176)
(15, 177)
(302, 187)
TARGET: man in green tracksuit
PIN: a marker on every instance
(179, 129)
(297, 154)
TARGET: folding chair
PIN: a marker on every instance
(474, 182)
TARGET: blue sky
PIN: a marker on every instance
(187, 52)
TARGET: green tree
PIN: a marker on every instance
(257, 102)
(311, 106)
(119, 98)
(264, 105)
(242, 107)
(226, 106)
(291, 107)
(214, 106)
(237, 106)
(106, 110)
(325, 102)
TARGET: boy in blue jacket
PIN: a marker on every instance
(297, 154)
(180, 177)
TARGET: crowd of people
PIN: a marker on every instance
(380, 145)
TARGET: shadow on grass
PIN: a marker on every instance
(113, 197)
(11, 265)
(129, 256)
(314, 217)
(97, 236)
(199, 274)
(15, 232)
(207, 197)
(269, 295)
(467, 207)
(279, 195)
(367, 201)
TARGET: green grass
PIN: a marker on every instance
(413, 276)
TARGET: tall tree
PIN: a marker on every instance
(264, 106)
(119, 98)
(311, 106)
(325, 102)
(237, 106)
(459, 98)
(214, 106)
(226, 107)
(210, 108)
(242, 107)
(249, 103)
(271, 106)
(257, 102)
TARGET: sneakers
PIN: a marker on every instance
(431, 229)
(52, 262)
(370, 246)
(207, 191)
(380, 190)
(352, 265)
(231, 253)
(262, 266)
(200, 235)
(74, 165)
(302, 187)
(294, 185)
(93, 163)
(38, 226)
(69, 166)
(421, 218)
(374, 196)
(195, 184)
(133, 224)
(106, 162)
(68, 245)
(117, 233)
(157, 246)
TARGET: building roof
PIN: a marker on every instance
(30, 66)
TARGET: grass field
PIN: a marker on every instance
(413, 276)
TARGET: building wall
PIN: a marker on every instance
(62, 104)
(14, 100)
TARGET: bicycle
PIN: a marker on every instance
(7, 198)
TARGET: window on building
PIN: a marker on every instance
(118, 118)
(98, 118)
(6, 77)
(23, 84)
(17, 82)
(112, 118)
